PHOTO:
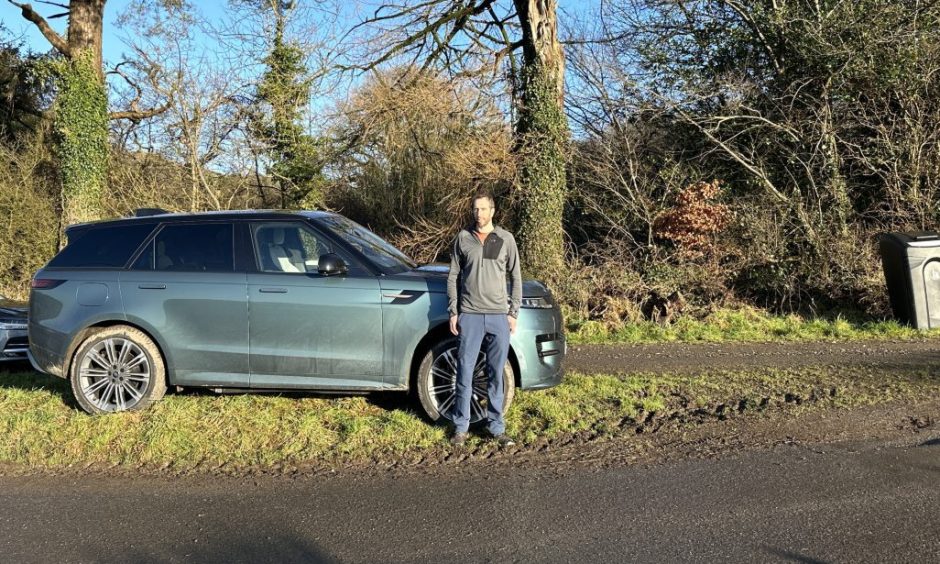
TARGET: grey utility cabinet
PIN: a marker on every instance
(911, 263)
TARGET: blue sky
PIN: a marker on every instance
(216, 14)
(112, 44)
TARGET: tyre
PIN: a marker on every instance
(117, 368)
(437, 383)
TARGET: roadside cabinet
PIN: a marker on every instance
(911, 264)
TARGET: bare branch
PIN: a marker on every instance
(57, 41)
(135, 114)
(764, 43)
(56, 4)
(459, 17)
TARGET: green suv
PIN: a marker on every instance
(264, 301)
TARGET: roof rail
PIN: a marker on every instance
(146, 212)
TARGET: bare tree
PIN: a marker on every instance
(470, 38)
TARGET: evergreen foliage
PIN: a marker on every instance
(283, 92)
(21, 94)
(80, 127)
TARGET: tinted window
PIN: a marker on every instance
(105, 246)
(190, 248)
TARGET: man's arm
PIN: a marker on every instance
(452, 284)
(515, 278)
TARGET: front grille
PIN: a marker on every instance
(16, 347)
(544, 346)
(546, 337)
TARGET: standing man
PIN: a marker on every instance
(479, 306)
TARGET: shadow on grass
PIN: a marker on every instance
(21, 376)
(389, 401)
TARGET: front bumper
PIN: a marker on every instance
(14, 345)
(540, 347)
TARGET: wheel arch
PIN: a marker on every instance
(83, 334)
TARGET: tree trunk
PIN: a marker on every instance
(86, 19)
(540, 45)
(541, 139)
(80, 124)
(80, 120)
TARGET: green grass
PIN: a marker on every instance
(41, 428)
(745, 325)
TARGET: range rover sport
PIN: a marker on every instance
(260, 300)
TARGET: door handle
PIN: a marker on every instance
(270, 290)
(152, 286)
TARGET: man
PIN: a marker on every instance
(480, 306)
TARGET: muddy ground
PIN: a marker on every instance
(785, 419)
(690, 358)
(657, 437)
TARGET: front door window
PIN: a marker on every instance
(288, 247)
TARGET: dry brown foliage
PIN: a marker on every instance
(147, 180)
(418, 148)
(28, 220)
(695, 221)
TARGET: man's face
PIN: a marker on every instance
(483, 211)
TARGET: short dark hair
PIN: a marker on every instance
(483, 194)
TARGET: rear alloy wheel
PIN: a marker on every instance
(437, 383)
(117, 369)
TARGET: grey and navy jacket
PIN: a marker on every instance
(477, 280)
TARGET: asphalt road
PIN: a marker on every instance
(874, 501)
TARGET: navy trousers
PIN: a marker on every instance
(491, 331)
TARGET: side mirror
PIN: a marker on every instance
(330, 264)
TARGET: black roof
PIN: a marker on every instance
(214, 215)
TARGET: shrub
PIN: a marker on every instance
(28, 221)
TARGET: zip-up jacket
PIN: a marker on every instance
(477, 280)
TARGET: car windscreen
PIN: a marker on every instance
(102, 247)
(376, 249)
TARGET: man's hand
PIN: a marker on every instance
(512, 324)
(453, 325)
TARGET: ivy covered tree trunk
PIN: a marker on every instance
(542, 136)
(80, 125)
(81, 107)
(81, 115)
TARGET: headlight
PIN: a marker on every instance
(544, 302)
(12, 324)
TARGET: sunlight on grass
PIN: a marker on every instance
(41, 427)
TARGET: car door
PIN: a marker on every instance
(184, 289)
(308, 330)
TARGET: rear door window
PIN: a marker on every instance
(190, 247)
(102, 247)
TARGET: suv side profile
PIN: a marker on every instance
(263, 301)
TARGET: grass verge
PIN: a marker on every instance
(41, 428)
(745, 325)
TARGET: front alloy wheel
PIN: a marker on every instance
(117, 369)
(437, 383)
